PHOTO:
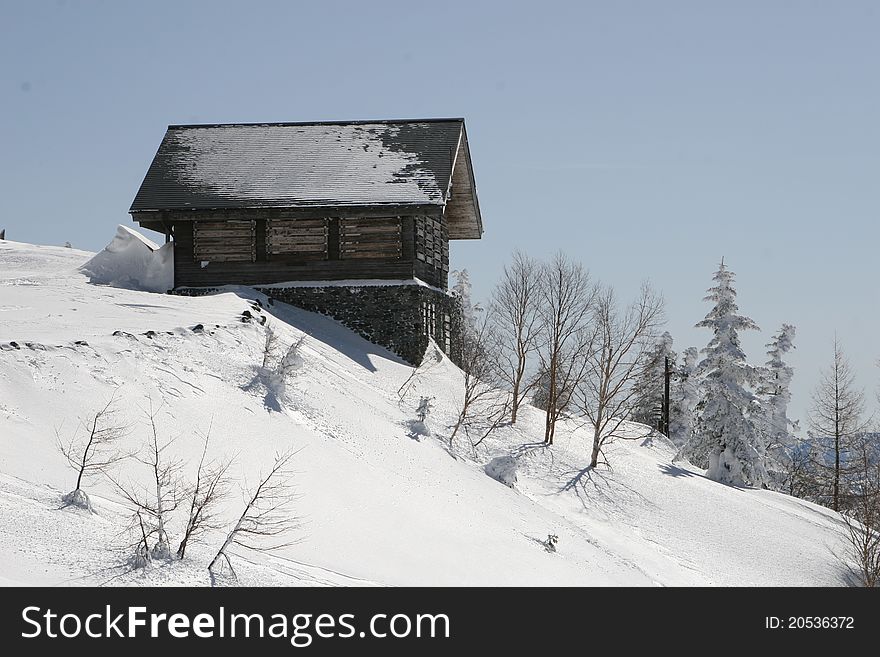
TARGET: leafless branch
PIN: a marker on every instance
(155, 502)
(91, 450)
(479, 368)
(624, 339)
(567, 297)
(209, 489)
(267, 514)
(517, 325)
(862, 513)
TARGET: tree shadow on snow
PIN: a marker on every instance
(592, 486)
(848, 576)
(675, 471)
(257, 387)
(416, 430)
(529, 449)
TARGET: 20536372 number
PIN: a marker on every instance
(810, 623)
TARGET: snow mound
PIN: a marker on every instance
(132, 261)
(79, 499)
(503, 469)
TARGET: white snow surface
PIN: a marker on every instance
(132, 261)
(378, 505)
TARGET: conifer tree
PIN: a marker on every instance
(775, 392)
(650, 384)
(728, 441)
(684, 395)
(837, 421)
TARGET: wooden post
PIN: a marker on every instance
(333, 252)
(667, 374)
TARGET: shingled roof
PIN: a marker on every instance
(315, 165)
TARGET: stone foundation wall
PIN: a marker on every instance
(401, 318)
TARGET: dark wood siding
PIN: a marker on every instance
(224, 241)
(370, 237)
(431, 262)
(303, 239)
(268, 268)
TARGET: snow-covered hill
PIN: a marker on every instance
(378, 503)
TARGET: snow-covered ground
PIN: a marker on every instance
(378, 503)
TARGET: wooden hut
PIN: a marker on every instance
(352, 219)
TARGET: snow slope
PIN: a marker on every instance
(377, 502)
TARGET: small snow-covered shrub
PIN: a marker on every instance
(418, 428)
(280, 373)
(424, 408)
(91, 450)
(503, 469)
(278, 366)
(161, 550)
(78, 498)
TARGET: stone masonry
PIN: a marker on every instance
(401, 318)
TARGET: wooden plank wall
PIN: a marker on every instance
(225, 241)
(303, 238)
(275, 267)
(432, 250)
(370, 237)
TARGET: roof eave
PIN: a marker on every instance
(475, 199)
(308, 123)
(286, 206)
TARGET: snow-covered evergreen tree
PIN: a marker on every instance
(775, 392)
(684, 395)
(462, 289)
(651, 383)
(728, 440)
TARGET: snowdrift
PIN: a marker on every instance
(132, 261)
(377, 501)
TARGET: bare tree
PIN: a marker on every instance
(517, 325)
(479, 368)
(565, 311)
(836, 415)
(266, 516)
(799, 470)
(154, 503)
(91, 450)
(208, 490)
(862, 508)
(624, 341)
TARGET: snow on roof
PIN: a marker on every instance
(302, 165)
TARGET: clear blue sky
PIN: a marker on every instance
(647, 139)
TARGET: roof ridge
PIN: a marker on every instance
(458, 119)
